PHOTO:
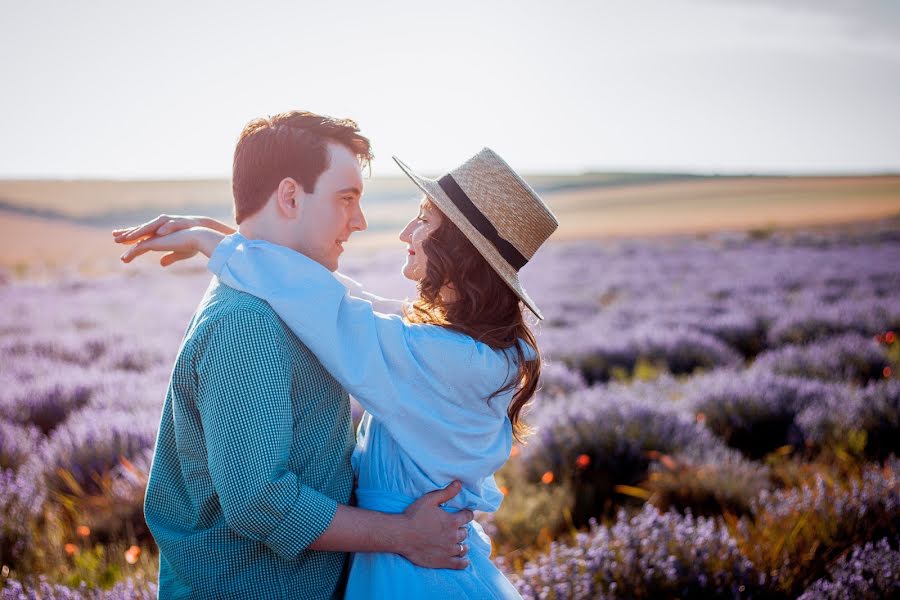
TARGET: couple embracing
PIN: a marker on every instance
(259, 487)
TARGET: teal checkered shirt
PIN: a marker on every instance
(252, 457)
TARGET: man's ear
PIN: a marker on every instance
(288, 197)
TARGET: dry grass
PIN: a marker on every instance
(36, 248)
(714, 204)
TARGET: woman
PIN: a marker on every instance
(443, 386)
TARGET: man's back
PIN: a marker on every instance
(252, 457)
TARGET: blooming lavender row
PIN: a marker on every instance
(794, 533)
(602, 437)
(652, 554)
(755, 411)
(877, 491)
(42, 589)
(17, 443)
(677, 349)
(20, 501)
(749, 294)
(848, 357)
(869, 572)
(93, 444)
(656, 554)
(873, 411)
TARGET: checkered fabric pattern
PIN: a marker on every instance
(251, 460)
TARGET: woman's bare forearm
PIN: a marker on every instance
(217, 225)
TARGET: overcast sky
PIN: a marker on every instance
(162, 89)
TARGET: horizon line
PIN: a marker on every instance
(573, 174)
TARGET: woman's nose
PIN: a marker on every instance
(404, 235)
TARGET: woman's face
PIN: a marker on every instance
(414, 235)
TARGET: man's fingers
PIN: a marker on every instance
(458, 563)
(441, 496)
(461, 534)
(463, 517)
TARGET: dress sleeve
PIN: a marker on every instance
(395, 369)
(388, 306)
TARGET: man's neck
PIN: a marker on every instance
(258, 229)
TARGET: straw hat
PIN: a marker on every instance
(496, 210)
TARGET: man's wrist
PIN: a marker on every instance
(399, 534)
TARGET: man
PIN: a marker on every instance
(250, 484)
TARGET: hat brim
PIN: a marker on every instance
(436, 194)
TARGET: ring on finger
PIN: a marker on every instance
(461, 549)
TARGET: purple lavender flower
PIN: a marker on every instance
(649, 555)
(869, 572)
(848, 357)
(92, 444)
(17, 444)
(21, 498)
(42, 589)
(755, 411)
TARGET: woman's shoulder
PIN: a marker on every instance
(465, 358)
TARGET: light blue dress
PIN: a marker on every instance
(428, 419)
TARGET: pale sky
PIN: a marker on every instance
(129, 89)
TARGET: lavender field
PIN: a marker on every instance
(719, 418)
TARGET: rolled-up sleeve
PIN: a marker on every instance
(243, 383)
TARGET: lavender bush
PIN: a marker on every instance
(678, 350)
(650, 555)
(869, 572)
(820, 319)
(92, 445)
(17, 443)
(755, 411)
(41, 589)
(20, 500)
(709, 489)
(848, 357)
(794, 534)
(869, 418)
(598, 438)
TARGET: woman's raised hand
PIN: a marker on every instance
(202, 234)
(165, 224)
(180, 245)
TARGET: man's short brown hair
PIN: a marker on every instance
(291, 144)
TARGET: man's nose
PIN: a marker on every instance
(359, 222)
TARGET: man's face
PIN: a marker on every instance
(332, 212)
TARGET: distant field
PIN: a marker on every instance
(55, 225)
(93, 201)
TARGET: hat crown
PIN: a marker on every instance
(506, 200)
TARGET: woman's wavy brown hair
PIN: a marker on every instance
(485, 308)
